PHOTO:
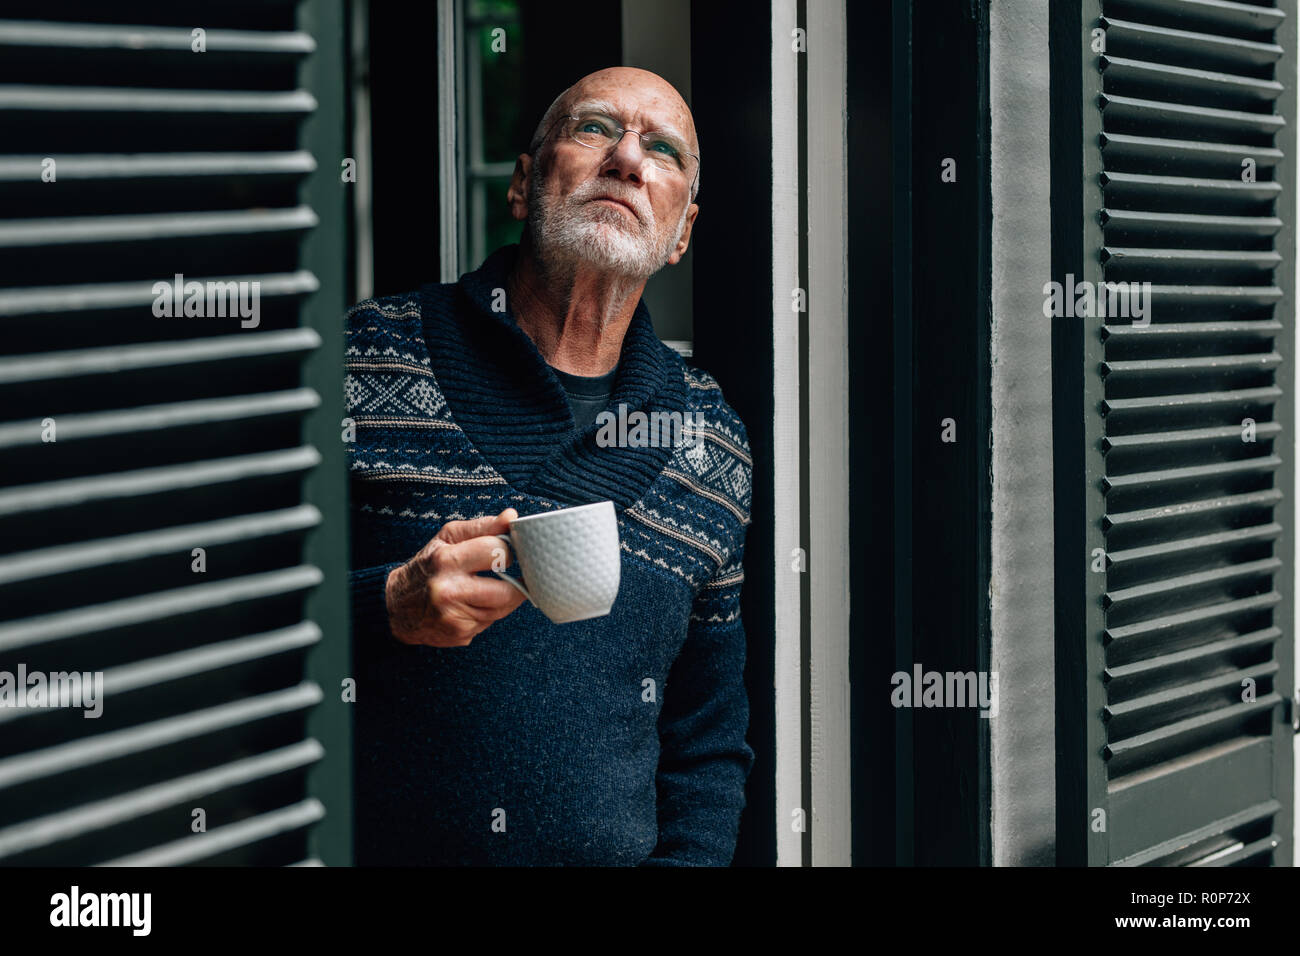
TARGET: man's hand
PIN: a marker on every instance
(438, 599)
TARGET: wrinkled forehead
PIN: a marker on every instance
(639, 104)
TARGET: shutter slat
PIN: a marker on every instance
(152, 481)
(157, 671)
(1182, 546)
(1137, 186)
(42, 831)
(206, 845)
(28, 169)
(1146, 367)
(208, 657)
(1177, 660)
(1185, 692)
(142, 738)
(1189, 42)
(156, 606)
(83, 36)
(1210, 612)
(1147, 479)
(46, 232)
(1199, 258)
(1210, 14)
(42, 300)
(1142, 111)
(1190, 581)
(62, 559)
(1128, 148)
(93, 99)
(1185, 509)
(1199, 81)
(1173, 733)
(1190, 224)
(1253, 329)
(1232, 858)
(81, 362)
(155, 418)
(1222, 298)
(1235, 397)
(1157, 440)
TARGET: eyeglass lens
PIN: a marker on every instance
(597, 130)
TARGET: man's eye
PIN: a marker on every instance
(668, 149)
(593, 126)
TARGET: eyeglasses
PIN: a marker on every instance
(664, 150)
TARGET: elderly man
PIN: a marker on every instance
(485, 734)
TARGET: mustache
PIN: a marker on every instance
(593, 191)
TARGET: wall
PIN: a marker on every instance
(657, 37)
(1020, 589)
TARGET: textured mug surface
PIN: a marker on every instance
(570, 560)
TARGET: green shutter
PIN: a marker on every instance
(173, 434)
(1156, 727)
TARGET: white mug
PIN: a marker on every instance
(570, 561)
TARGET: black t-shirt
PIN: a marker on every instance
(588, 395)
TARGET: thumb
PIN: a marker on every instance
(502, 521)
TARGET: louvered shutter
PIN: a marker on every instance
(1176, 659)
(172, 434)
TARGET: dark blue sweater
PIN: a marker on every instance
(613, 741)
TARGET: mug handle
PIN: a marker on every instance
(517, 585)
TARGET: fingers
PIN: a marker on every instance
(454, 532)
(471, 546)
(485, 553)
(494, 596)
(477, 594)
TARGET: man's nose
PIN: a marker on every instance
(627, 158)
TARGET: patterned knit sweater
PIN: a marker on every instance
(613, 741)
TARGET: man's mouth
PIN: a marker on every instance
(617, 202)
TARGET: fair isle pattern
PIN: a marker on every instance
(718, 603)
(389, 392)
(699, 507)
(718, 467)
(690, 522)
(378, 325)
(375, 391)
(434, 509)
(718, 460)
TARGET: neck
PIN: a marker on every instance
(576, 316)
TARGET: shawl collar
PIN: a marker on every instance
(513, 409)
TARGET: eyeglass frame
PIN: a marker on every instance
(622, 131)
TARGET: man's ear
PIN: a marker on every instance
(680, 249)
(517, 194)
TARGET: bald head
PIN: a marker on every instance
(655, 104)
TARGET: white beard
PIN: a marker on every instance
(574, 230)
